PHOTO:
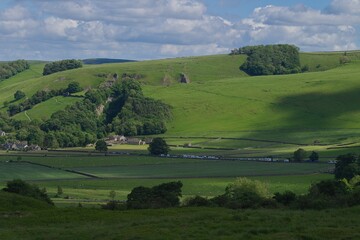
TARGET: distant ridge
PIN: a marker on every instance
(105, 60)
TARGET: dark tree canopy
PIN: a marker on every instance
(270, 59)
(160, 196)
(19, 95)
(347, 166)
(101, 146)
(74, 87)
(158, 146)
(314, 156)
(132, 114)
(63, 65)
(300, 155)
(10, 69)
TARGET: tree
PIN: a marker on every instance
(243, 193)
(59, 191)
(19, 95)
(158, 146)
(347, 166)
(160, 196)
(112, 194)
(314, 156)
(73, 87)
(101, 146)
(299, 155)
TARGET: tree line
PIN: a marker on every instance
(62, 65)
(10, 69)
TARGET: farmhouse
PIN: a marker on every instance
(16, 146)
(135, 141)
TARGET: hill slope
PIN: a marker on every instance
(222, 101)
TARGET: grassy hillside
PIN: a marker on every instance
(16, 202)
(182, 223)
(223, 102)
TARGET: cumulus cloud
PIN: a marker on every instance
(143, 29)
(308, 28)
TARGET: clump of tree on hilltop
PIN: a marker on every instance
(62, 65)
(270, 59)
(10, 69)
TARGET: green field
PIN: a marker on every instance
(181, 223)
(122, 173)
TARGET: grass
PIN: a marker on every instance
(203, 169)
(45, 109)
(25, 171)
(123, 173)
(183, 223)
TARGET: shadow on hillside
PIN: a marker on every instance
(315, 112)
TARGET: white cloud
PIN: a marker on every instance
(308, 28)
(143, 29)
(344, 7)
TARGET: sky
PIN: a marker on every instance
(153, 29)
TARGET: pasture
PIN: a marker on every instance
(181, 223)
(122, 173)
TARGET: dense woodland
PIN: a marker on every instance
(126, 111)
(63, 65)
(10, 69)
(270, 59)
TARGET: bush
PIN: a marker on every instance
(285, 198)
(347, 166)
(74, 87)
(161, 196)
(19, 95)
(197, 201)
(243, 193)
(114, 205)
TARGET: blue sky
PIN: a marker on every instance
(152, 29)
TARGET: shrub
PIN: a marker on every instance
(161, 196)
(243, 193)
(114, 205)
(285, 198)
(198, 201)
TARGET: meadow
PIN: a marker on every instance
(181, 223)
(206, 178)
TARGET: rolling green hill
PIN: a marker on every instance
(223, 102)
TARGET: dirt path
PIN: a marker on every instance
(27, 116)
